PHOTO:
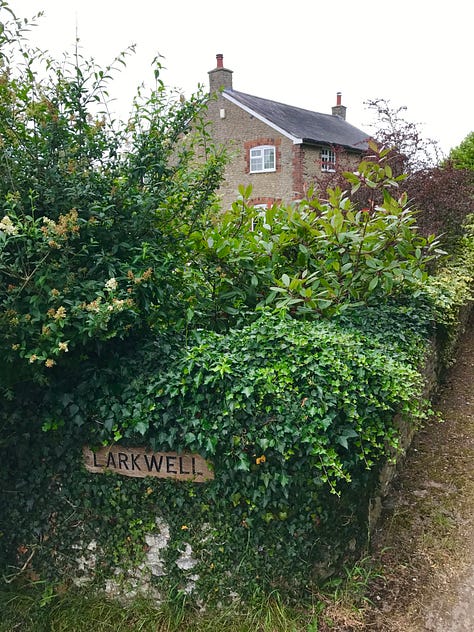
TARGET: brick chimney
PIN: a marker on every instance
(220, 78)
(339, 109)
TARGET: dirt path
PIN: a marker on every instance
(425, 543)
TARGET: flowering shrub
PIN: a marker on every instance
(95, 212)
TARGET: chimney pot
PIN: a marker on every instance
(220, 78)
(339, 109)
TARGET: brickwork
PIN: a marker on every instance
(238, 131)
(298, 172)
(264, 201)
(298, 166)
(313, 174)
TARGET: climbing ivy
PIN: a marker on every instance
(295, 418)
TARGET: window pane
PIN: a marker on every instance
(259, 216)
(255, 164)
(262, 159)
(269, 160)
(256, 159)
(328, 160)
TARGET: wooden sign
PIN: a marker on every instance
(139, 462)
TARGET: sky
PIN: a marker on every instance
(415, 54)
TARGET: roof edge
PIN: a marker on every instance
(311, 141)
(228, 96)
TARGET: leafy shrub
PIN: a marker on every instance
(94, 212)
(443, 196)
(316, 258)
(462, 156)
(295, 418)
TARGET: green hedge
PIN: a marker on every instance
(294, 416)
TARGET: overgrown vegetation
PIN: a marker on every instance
(132, 311)
(96, 212)
(37, 610)
(439, 188)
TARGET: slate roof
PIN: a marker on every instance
(303, 125)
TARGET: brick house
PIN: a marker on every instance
(279, 149)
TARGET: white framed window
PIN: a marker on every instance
(259, 217)
(328, 160)
(262, 159)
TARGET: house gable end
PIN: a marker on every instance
(228, 95)
(278, 149)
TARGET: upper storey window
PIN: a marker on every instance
(262, 158)
(328, 160)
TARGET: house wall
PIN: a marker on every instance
(297, 167)
(311, 166)
(238, 132)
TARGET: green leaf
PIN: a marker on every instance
(141, 427)
(373, 283)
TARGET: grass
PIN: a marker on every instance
(28, 610)
(39, 607)
(78, 612)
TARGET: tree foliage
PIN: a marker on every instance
(441, 191)
(444, 196)
(411, 151)
(462, 156)
(95, 211)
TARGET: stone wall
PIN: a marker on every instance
(437, 356)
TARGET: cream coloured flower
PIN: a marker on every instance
(111, 284)
(7, 226)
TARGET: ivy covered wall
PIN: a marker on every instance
(297, 420)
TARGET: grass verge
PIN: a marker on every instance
(38, 607)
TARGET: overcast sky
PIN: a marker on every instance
(414, 53)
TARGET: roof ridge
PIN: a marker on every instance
(300, 124)
(287, 105)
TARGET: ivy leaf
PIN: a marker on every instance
(349, 433)
(141, 427)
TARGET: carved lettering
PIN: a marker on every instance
(134, 458)
(181, 470)
(140, 462)
(152, 462)
(110, 461)
(168, 464)
(123, 460)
